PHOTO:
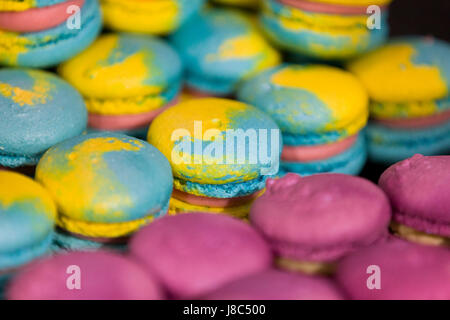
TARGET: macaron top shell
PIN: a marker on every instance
(22, 5)
(195, 253)
(182, 130)
(123, 65)
(406, 69)
(106, 178)
(302, 103)
(408, 272)
(277, 285)
(321, 217)
(27, 215)
(37, 110)
(419, 187)
(103, 276)
(224, 44)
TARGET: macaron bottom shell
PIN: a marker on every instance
(350, 161)
(15, 161)
(388, 145)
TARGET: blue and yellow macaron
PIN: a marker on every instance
(37, 111)
(325, 29)
(221, 152)
(27, 218)
(106, 185)
(321, 120)
(160, 17)
(408, 81)
(44, 33)
(221, 47)
(126, 80)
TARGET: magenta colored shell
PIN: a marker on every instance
(278, 285)
(408, 271)
(103, 276)
(419, 191)
(321, 217)
(195, 253)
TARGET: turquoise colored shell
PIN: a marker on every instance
(51, 47)
(37, 110)
(351, 162)
(388, 145)
(319, 44)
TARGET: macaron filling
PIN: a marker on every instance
(328, 7)
(416, 122)
(213, 202)
(37, 19)
(308, 267)
(413, 235)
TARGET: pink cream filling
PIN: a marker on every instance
(326, 8)
(412, 123)
(37, 19)
(319, 152)
(126, 121)
(212, 202)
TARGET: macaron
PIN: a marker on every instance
(196, 253)
(27, 219)
(126, 80)
(408, 81)
(314, 221)
(37, 111)
(42, 34)
(273, 284)
(160, 17)
(418, 189)
(321, 121)
(85, 276)
(106, 186)
(221, 152)
(396, 270)
(221, 47)
(331, 30)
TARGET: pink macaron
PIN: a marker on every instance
(278, 285)
(97, 275)
(313, 221)
(193, 254)
(396, 270)
(419, 191)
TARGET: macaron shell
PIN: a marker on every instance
(222, 45)
(50, 47)
(106, 178)
(35, 113)
(26, 220)
(416, 188)
(172, 132)
(149, 64)
(21, 5)
(154, 17)
(303, 104)
(406, 69)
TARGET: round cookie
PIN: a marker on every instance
(221, 47)
(221, 152)
(325, 217)
(126, 80)
(418, 191)
(37, 111)
(106, 185)
(26, 43)
(195, 253)
(154, 17)
(321, 121)
(103, 276)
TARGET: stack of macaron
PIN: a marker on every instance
(221, 47)
(37, 111)
(408, 81)
(221, 152)
(126, 81)
(326, 29)
(159, 17)
(44, 33)
(106, 187)
(321, 111)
